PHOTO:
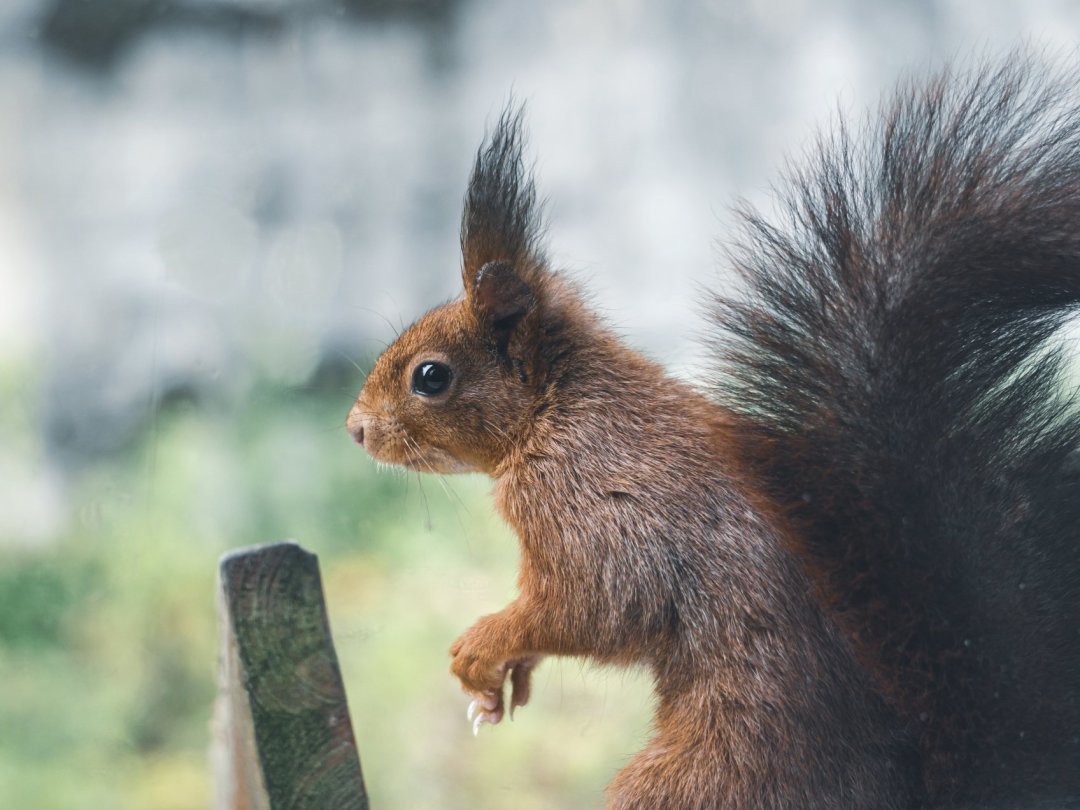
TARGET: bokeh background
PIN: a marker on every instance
(214, 213)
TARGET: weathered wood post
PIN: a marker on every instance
(283, 737)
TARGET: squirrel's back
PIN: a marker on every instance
(896, 357)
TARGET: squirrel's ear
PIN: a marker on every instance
(499, 297)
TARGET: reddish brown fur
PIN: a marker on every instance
(640, 545)
(880, 499)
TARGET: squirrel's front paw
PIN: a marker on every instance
(483, 671)
(487, 707)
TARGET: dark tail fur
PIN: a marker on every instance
(896, 358)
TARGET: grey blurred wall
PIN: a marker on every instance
(196, 195)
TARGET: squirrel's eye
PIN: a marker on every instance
(430, 378)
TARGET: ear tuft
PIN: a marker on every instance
(500, 297)
(502, 220)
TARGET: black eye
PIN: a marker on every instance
(430, 378)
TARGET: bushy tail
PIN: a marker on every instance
(896, 356)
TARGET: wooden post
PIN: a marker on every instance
(283, 737)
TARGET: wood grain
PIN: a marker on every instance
(283, 737)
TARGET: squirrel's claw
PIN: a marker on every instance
(485, 709)
(486, 717)
(489, 707)
(489, 702)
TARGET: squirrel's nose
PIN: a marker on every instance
(354, 423)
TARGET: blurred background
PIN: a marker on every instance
(213, 215)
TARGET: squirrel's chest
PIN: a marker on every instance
(562, 515)
(550, 506)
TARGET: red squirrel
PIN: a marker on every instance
(851, 561)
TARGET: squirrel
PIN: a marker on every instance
(850, 556)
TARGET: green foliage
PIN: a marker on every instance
(108, 636)
(37, 595)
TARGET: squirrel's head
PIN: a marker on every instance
(457, 389)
